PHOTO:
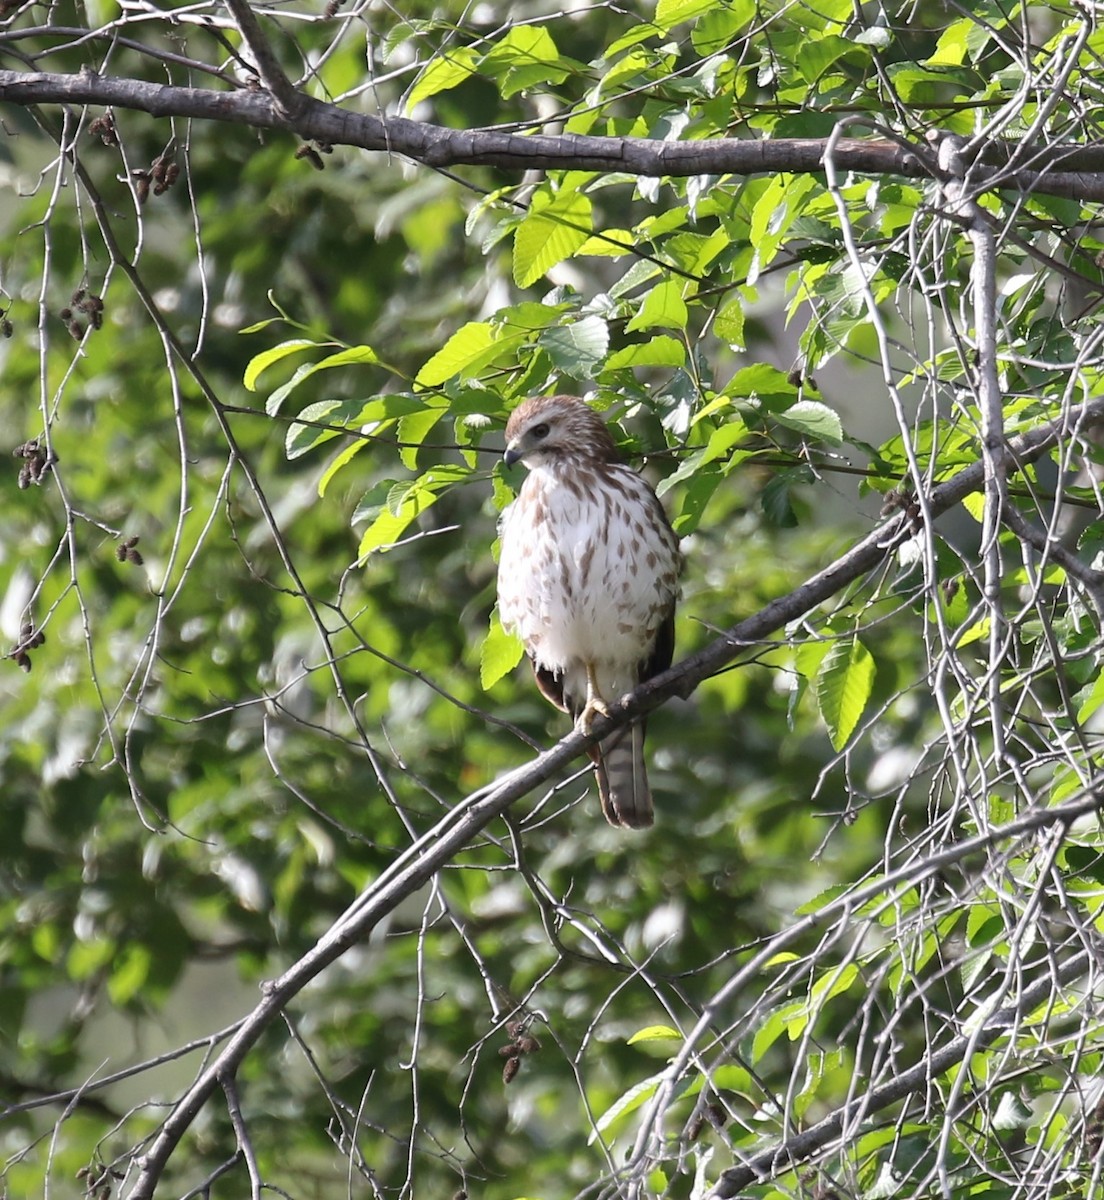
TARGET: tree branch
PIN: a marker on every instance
(784, 1156)
(437, 146)
(268, 65)
(421, 861)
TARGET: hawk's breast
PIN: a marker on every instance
(588, 568)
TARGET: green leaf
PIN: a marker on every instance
(342, 415)
(130, 970)
(843, 686)
(446, 71)
(352, 355)
(780, 203)
(652, 1033)
(663, 306)
(471, 348)
(661, 351)
(630, 1101)
(500, 653)
(950, 50)
(718, 26)
(763, 382)
(413, 429)
(554, 229)
(577, 348)
(721, 440)
(341, 459)
(406, 501)
(816, 55)
(696, 495)
(728, 324)
(525, 57)
(814, 420)
(610, 243)
(671, 12)
(261, 362)
(1093, 699)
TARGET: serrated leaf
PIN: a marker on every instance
(522, 44)
(671, 12)
(696, 495)
(526, 56)
(728, 324)
(842, 687)
(814, 420)
(303, 435)
(610, 243)
(260, 363)
(352, 355)
(977, 631)
(554, 229)
(341, 415)
(448, 70)
(406, 501)
(578, 347)
(340, 460)
(771, 1030)
(471, 348)
(950, 50)
(653, 1033)
(626, 1103)
(661, 351)
(762, 380)
(723, 439)
(500, 653)
(413, 429)
(663, 306)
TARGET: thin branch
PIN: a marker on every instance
(268, 65)
(241, 1132)
(1092, 581)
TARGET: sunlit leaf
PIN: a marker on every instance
(814, 420)
(651, 1033)
(499, 654)
(447, 70)
(662, 306)
(661, 351)
(671, 12)
(843, 686)
(554, 228)
(625, 1104)
(260, 363)
(577, 347)
(471, 348)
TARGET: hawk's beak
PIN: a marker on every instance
(512, 455)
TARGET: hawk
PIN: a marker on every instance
(587, 578)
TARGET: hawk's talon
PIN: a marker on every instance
(595, 707)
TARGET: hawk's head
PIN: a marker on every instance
(550, 429)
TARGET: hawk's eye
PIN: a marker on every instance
(540, 431)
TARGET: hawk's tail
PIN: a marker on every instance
(623, 779)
